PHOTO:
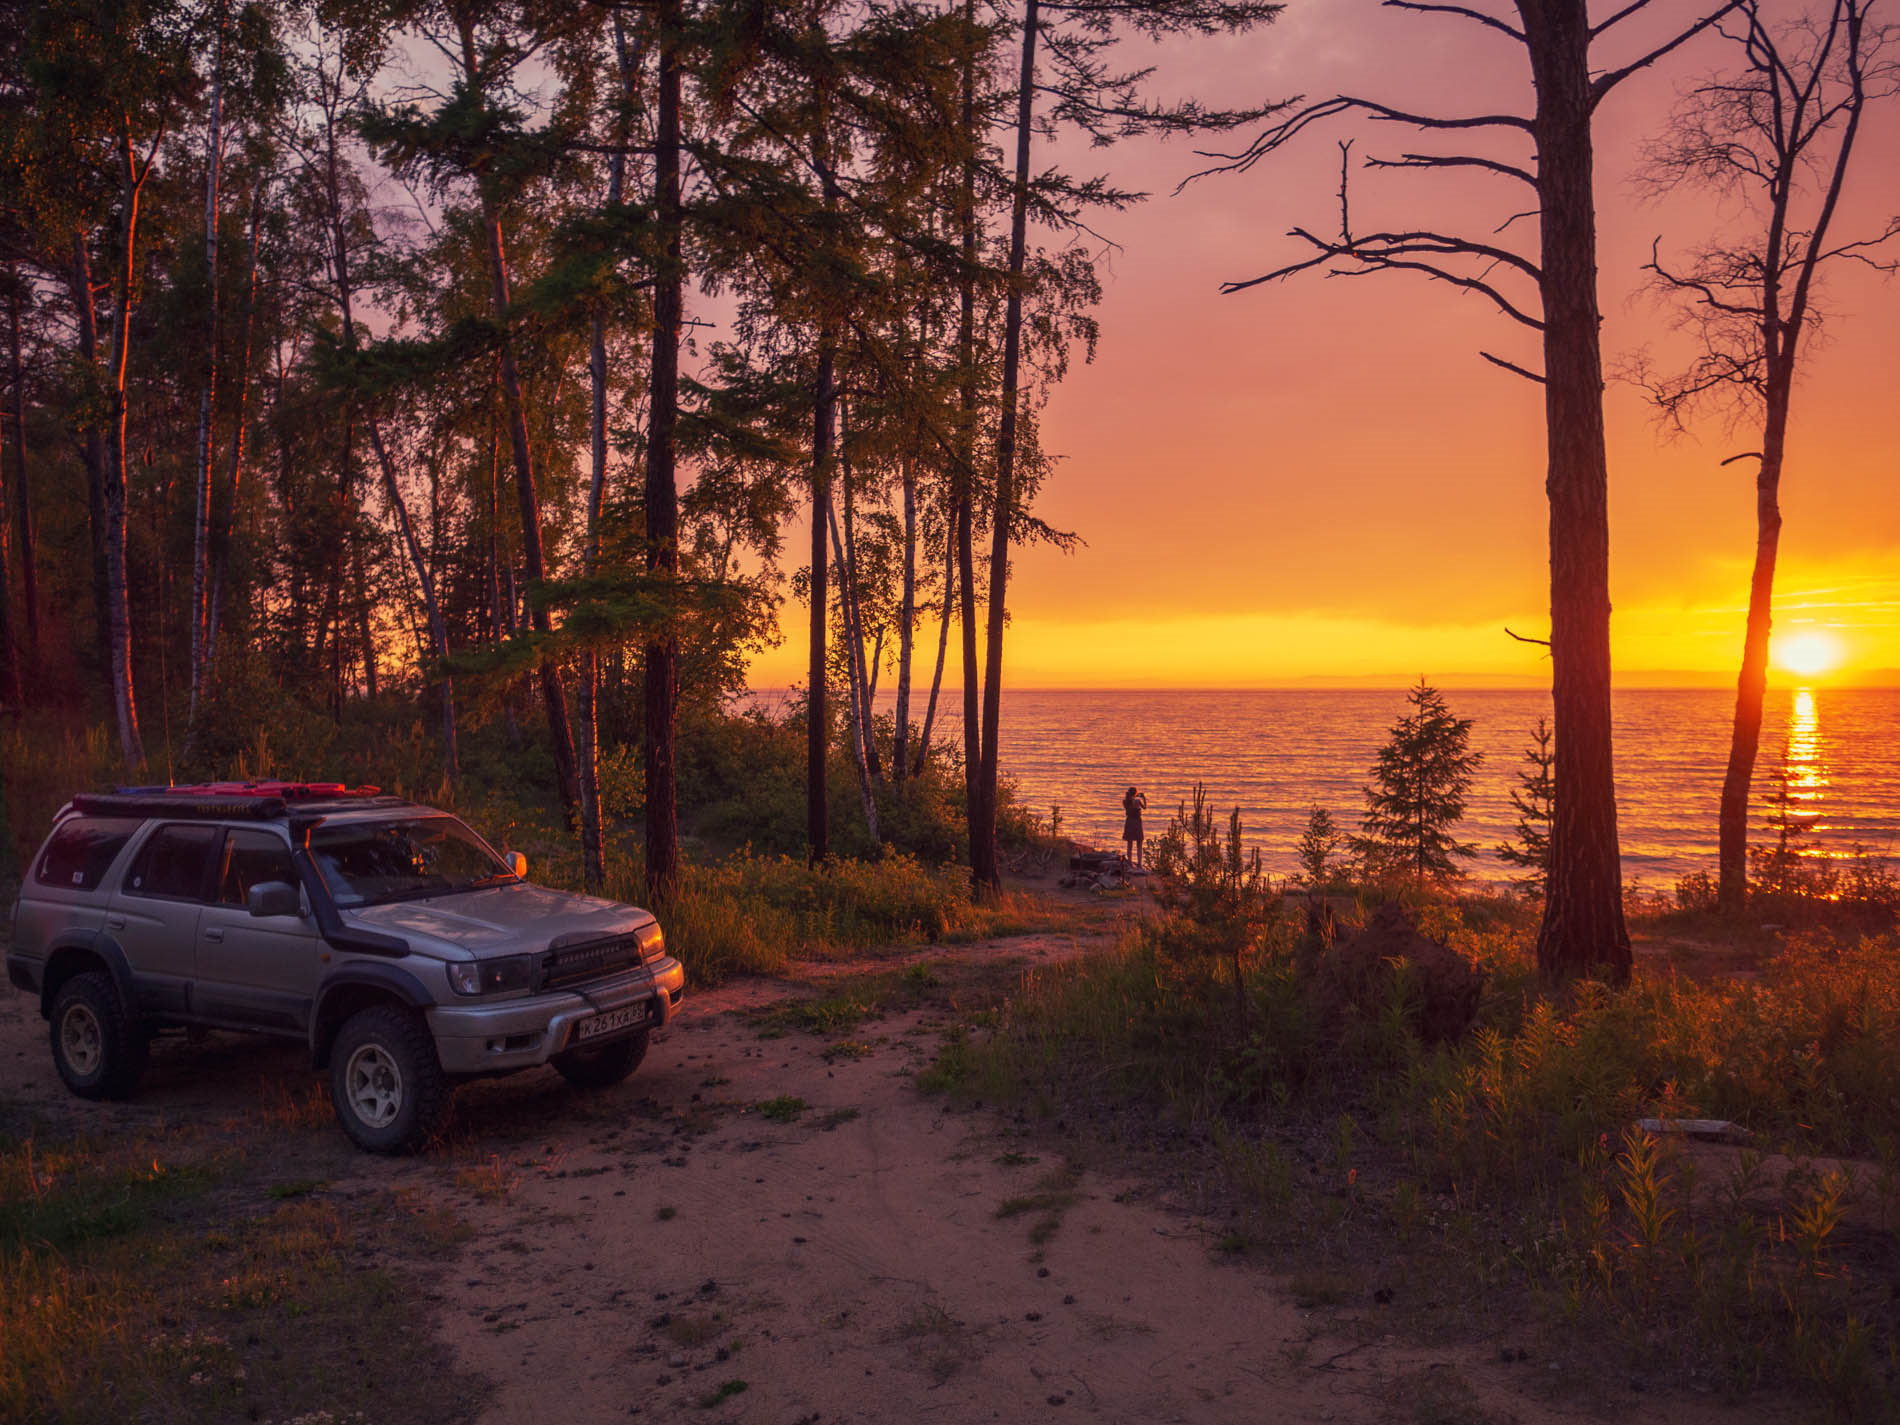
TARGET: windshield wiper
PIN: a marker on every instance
(499, 878)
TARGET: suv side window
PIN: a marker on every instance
(83, 850)
(249, 859)
(172, 863)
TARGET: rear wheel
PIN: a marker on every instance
(604, 1067)
(97, 1045)
(386, 1083)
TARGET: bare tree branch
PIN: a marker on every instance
(1618, 17)
(1489, 21)
(1271, 140)
(1604, 83)
(1436, 160)
(1513, 367)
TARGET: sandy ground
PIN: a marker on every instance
(665, 1250)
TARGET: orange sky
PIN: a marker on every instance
(1320, 480)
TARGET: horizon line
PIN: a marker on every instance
(1881, 680)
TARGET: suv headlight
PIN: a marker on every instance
(487, 977)
(652, 943)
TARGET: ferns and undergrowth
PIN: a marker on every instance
(1460, 1183)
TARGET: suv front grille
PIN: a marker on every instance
(593, 960)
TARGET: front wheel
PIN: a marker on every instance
(604, 1067)
(98, 1048)
(386, 1083)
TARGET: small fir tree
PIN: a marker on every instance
(1317, 844)
(1418, 792)
(1534, 797)
(1217, 896)
(1778, 870)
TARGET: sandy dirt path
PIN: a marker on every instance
(679, 1248)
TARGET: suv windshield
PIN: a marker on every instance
(373, 862)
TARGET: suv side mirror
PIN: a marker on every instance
(273, 898)
(516, 863)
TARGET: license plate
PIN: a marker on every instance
(611, 1022)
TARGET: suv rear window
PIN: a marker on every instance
(172, 863)
(83, 850)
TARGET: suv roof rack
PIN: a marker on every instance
(230, 801)
(141, 803)
(284, 791)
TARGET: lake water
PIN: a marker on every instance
(1277, 753)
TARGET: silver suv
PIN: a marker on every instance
(387, 936)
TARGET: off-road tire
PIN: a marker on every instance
(386, 1083)
(605, 1066)
(98, 1046)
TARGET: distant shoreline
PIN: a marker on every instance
(1880, 680)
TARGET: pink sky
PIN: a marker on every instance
(1321, 479)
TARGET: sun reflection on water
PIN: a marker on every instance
(1806, 767)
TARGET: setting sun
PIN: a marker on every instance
(1809, 653)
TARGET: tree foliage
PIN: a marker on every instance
(1532, 797)
(1417, 793)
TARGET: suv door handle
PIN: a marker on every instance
(115, 922)
(214, 933)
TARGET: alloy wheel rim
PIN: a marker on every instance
(81, 1040)
(373, 1085)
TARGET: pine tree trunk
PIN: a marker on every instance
(22, 493)
(9, 646)
(553, 694)
(118, 609)
(226, 527)
(1752, 686)
(983, 866)
(92, 445)
(1583, 930)
(662, 494)
(207, 392)
(425, 580)
(966, 473)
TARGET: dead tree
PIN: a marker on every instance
(1547, 152)
(1778, 133)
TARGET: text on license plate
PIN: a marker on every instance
(608, 1023)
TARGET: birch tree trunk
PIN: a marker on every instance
(593, 855)
(662, 491)
(863, 685)
(860, 716)
(943, 645)
(906, 619)
(817, 714)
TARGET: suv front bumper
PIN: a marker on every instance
(520, 1033)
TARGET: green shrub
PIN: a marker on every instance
(1526, 1126)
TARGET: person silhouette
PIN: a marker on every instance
(1132, 806)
